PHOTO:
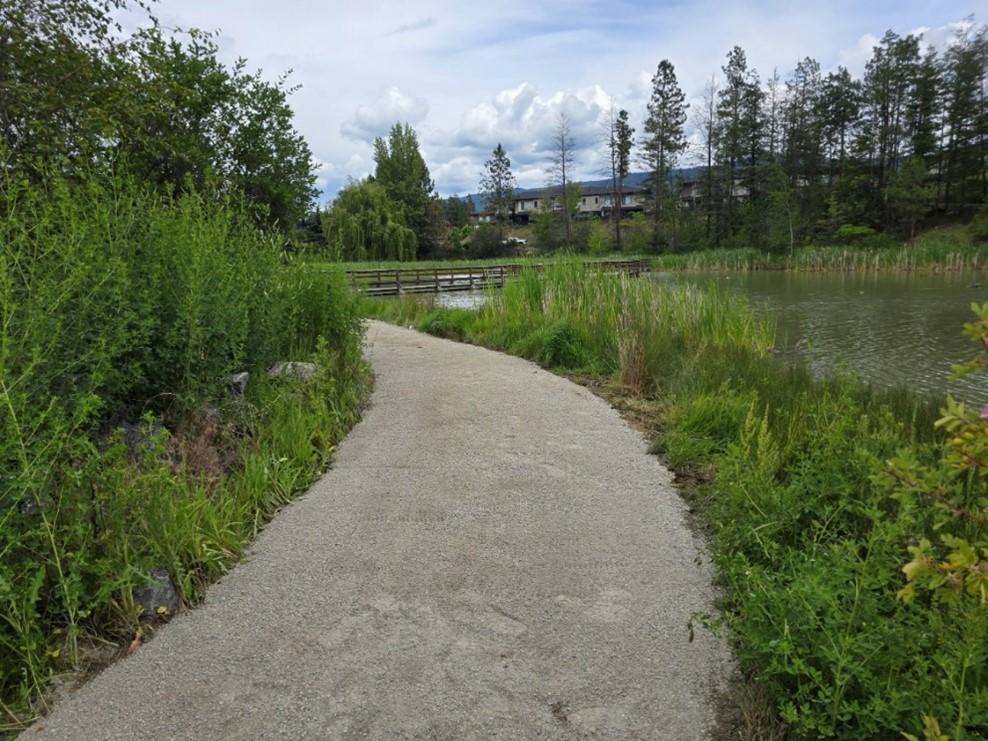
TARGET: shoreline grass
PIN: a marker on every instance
(789, 476)
(939, 250)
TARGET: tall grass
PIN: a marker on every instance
(936, 251)
(121, 306)
(787, 473)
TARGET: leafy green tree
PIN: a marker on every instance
(59, 96)
(498, 187)
(664, 136)
(78, 95)
(195, 119)
(402, 172)
(620, 140)
(363, 223)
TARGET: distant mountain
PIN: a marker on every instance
(634, 180)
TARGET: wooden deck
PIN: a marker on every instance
(398, 281)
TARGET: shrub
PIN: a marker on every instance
(118, 304)
(979, 225)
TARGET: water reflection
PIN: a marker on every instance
(893, 329)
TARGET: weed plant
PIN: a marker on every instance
(790, 476)
(122, 316)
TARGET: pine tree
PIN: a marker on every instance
(664, 137)
(735, 128)
(619, 144)
(840, 111)
(498, 187)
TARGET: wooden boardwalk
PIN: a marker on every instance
(397, 281)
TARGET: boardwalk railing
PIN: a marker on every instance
(396, 281)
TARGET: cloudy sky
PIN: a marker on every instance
(469, 75)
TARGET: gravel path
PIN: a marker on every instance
(493, 555)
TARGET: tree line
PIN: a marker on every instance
(812, 156)
(82, 98)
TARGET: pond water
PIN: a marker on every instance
(893, 329)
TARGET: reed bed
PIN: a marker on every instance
(929, 255)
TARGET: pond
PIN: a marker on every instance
(893, 329)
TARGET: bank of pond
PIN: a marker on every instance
(848, 528)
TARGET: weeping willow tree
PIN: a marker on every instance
(364, 224)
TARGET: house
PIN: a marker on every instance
(595, 197)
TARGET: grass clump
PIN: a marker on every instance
(123, 314)
(810, 524)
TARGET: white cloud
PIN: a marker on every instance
(375, 119)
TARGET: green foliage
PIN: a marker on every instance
(598, 239)
(457, 211)
(979, 226)
(401, 170)
(498, 185)
(120, 304)
(81, 96)
(547, 231)
(486, 241)
(363, 223)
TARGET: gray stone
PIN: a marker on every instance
(159, 598)
(293, 369)
(237, 383)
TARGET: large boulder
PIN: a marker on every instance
(293, 369)
(159, 598)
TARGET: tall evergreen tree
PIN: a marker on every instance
(804, 140)
(737, 116)
(619, 143)
(963, 161)
(840, 110)
(498, 186)
(664, 137)
(889, 78)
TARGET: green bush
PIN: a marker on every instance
(979, 225)
(121, 305)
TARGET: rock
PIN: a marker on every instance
(159, 598)
(237, 383)
(293, 369)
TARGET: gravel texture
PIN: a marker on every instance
(492, 555)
